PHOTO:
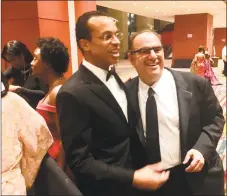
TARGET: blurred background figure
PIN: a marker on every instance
(25, 141)
(224, 60)
(17, 55)
(51, 60)
(202, 65)
(209, 73)
(197, 65)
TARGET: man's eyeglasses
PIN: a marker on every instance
(147, 51)
(109, 37)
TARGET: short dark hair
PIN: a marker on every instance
(16, 48)
(82, 29)
(54, 52)
(201, 49)
(133, 36)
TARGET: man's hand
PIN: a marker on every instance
(13, 88)
(197, 162)
(150, 177)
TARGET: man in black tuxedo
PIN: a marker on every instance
(179, 122)
(96, 119)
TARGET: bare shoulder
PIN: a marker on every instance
(53, 95)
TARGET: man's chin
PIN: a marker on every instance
(114, 60)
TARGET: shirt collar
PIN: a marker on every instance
(158, 86)
(100, 73)
(143, 88)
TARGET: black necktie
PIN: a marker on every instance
(113, 72)
(152, 134)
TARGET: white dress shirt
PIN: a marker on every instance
(111, 84)
(168, 117)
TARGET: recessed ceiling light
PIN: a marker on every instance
(164, 13)
(134, 3)
(146, 7)
(157, 10)
(189, 9)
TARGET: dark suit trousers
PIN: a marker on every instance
(176, 185)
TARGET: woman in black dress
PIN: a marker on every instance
(17, 55)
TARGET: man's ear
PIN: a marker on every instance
(84, 44)
(130, 58)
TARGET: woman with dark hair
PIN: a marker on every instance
(25, 141)
(51, 60)
(17, 55)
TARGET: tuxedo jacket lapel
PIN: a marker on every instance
(104, 94)
(184, 97)
(100, 90)
(133, 94)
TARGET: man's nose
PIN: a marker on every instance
(152, 54)
(115, 40)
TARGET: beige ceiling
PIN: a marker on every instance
(165, 10)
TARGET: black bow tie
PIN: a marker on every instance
(112, 72)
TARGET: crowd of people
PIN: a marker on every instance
(156, 134)
(16, 54)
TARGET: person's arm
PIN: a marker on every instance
(36, 140)
(212, 121)
(37, 94)
(31, 94)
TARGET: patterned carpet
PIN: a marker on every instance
(220, 92)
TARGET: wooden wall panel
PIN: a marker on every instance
(19, 22)
(194, 24)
